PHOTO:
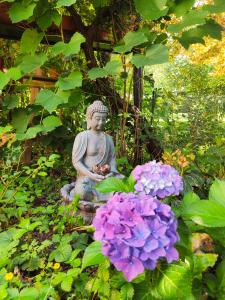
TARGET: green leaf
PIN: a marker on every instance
(131, 39)
(127, 291)
(49, 100)
(14, 73)
(111, 68)
(195, 35)
(66, 284)
(112, 184)
(151, 9)
(92, 255)
(155, 54)
(62, 253)
(32, 62)
(61, 3)
(200, 262)
(20, 120)
(21, 11)
(51, 122)
(194, 17)
(4, 79)
(72, 81)
(180, 7)
(220, 274)
(10, 101)
(217, 192)
(218, 234)
(33, 131)
(30, 40)
(205, 212)
(29, 293)
(73, 47)
(217, 7)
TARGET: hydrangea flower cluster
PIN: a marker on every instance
(157, 179)
(136, 230)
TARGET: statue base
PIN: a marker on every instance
(86, 209)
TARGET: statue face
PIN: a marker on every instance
(98, 121)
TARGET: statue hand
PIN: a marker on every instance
(109, 175)
(96, 177)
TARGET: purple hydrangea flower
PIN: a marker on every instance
(136, 231)
(157, 179)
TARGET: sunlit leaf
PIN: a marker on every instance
(21, 11)
(30, 40)
(151, 9)
(72, 81)
(131, 39)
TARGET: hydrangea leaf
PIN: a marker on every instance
(112, 184)
(217, 192)
(179, 8)
(93, 255)
(127, 291)
(49, 100)
(30, 40)
(73, 47)
(155, 54)
(61, 3)
(32, 62)
(220, 274)
(195, 35)
(4, 80)
(21, 11)
(131, 39)
(194, 17)
(72, 81)
(200, 262)
(151, 9)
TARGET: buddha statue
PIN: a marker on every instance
(93, 155)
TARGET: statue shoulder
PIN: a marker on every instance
(81, 135)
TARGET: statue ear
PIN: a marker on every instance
(88, 123)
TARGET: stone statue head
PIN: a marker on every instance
(96, 115)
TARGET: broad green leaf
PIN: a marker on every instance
(32, 62)
(72, 81)
(73, 47)
(151, 9)
(4, 79)
(49, 100)
(155, 54)
(131, 39)
(200, 262)
(180, 7)
(188, 200)
(51, 122)
(3, 291)
(195, 35)
(66, 284)
(20, 120)
(30, 40)
(61, 253)
(217, 7)
(111, 68)
(194, 17)
(14, 73)
(10, 101)
(217, 192)
(92, 255)
(220, 274)
(29, 293)
(112, 184)
(206, 213)
(33, 131)
(61, 3)
(127, 291)
(21, 11)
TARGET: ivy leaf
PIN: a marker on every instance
(217, 192)
(155, 54)
(151, 9)
(111, 68)
(4, 79)
(21, 11)
(49, 100)
(30, 40)
(131, 39)
(196, 35)
(93, 255)
(61, 3)
(72, 81)
(112, 184)
(179, 8)
(194, 17)
(73, 47)
(32, 62)
(51, 122)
